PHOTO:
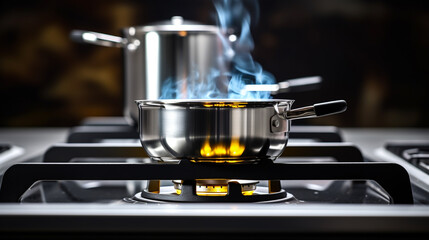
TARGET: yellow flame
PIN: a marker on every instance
(235, 149)
(226, 160)
(216, 191)
(221, 104)
(206, 150)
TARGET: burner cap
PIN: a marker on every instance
(218, 187)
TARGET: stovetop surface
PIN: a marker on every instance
(331, 215)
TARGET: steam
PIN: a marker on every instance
(193, 88)
(231, 15)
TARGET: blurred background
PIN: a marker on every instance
(374, 54)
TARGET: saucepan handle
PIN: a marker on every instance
(299, 84)
(291, 85)
(317, 110)
(97, 38)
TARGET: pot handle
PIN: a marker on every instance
(97, 38)
(291, 85)
(317, 110)
(299, 84)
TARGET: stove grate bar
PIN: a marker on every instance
(392, 177)
(65, 152)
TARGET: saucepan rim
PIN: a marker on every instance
(216, 102)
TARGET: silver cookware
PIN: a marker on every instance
(153, 54)
(176, 50)
(221, 130)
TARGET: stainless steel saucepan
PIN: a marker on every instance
(157, 52)
(221, 130)
(171, 51)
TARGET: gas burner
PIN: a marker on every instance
(211, 190)
(419, 157)
(416, 153)
(223, 160)
(414, 157)
(218, 187)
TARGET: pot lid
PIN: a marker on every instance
(176, 24)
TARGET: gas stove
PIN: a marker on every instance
(101, 181)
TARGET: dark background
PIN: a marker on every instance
(374, 54)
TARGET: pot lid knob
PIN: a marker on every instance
(177, 20)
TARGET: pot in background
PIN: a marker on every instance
(164, 51)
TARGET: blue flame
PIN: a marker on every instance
(243, 69)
